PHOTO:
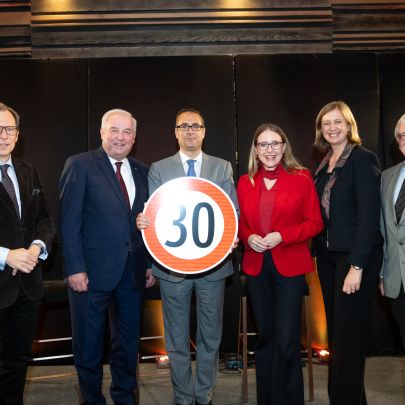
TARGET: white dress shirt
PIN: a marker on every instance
(126, 174)
(197, 163)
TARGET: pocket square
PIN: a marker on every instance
(35, 192)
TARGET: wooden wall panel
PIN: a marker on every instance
(118, 28)
(15, 32)
(368, 25)
(167, 28)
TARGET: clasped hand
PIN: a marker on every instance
(261, 244)
(23, 260)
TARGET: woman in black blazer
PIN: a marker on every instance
(349, 250)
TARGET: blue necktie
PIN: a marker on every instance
(9, 186)
(191, 171)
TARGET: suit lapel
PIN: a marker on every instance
(205, 167)
(253, 199)
(177, 169)
(140, 188)
(390, 188)
(24, 185)
(6, 201)
(108, 171)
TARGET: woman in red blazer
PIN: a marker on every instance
(279, 213)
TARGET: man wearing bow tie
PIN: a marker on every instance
(26, 235)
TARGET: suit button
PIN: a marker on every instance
(401, 243)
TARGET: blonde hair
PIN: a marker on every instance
(352, 136)
(289, 161)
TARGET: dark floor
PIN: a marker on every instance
(385, 385)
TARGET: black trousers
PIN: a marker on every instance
(17, 328)
(347, 318)
(398, 309)
(276, 302)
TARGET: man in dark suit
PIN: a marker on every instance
(26, 235)
(105, 261)
(392, 282)
(176, 289)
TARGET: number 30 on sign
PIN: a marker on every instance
(193, 225)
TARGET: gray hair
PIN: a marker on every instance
(107, 115)
(399, 123)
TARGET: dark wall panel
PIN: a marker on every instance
(154, 89)
(392, 68)
(51, 98)
(289, 90)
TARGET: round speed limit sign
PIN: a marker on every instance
(193, 225)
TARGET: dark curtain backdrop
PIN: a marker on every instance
(61, 103)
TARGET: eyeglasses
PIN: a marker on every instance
(401, 137)
(275, 145)
(10, 131)
(193, 127)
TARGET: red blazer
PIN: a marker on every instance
(296, 215)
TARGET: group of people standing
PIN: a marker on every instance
(281, 208)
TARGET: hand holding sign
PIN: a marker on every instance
(189, 225)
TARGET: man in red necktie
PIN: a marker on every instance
(105, 260)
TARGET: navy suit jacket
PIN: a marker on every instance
(97, 228)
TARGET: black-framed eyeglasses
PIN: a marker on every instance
(10, 131)
(193, 127)
(275, 145)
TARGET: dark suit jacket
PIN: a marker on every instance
(97, 228)
(15, 233)
(296, 215)
(354, 223)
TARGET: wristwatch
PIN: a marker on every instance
(357, 268)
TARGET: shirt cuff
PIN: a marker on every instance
(3, 257)
(44, 253)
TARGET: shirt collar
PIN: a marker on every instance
(8, 162)
(184, 157)
(124, 161)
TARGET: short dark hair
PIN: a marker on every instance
(4, 107)
(193, 110)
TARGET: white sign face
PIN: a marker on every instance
(193, 225)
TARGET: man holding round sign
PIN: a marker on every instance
(187, 225)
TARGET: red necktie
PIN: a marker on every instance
(122, 183)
